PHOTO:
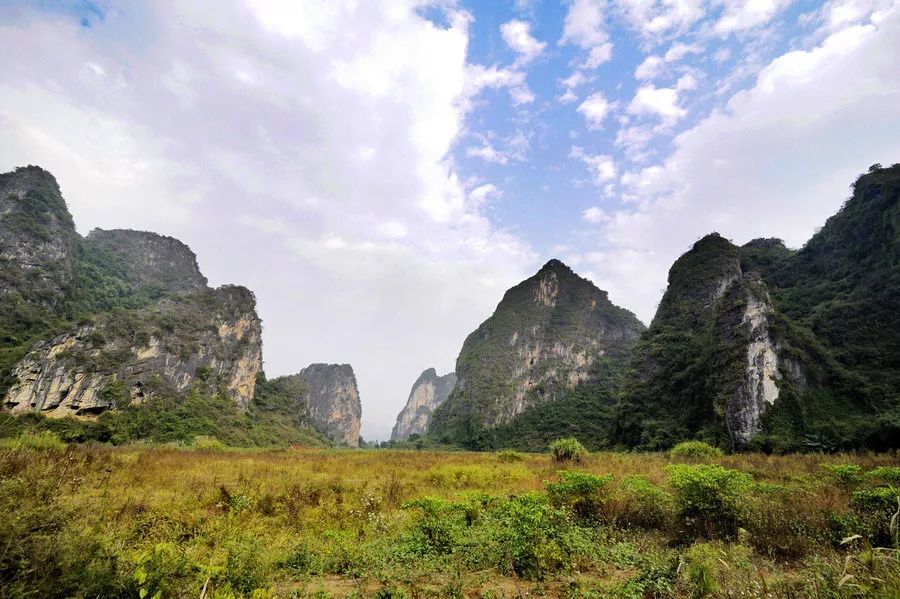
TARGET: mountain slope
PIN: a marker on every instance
(760, 345)
(545, 338)
(427, 393)
(122, 324)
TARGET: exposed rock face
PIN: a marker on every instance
(37, 238)
(152, 259)
(713, 322)
(543, 340)
(428, 392)
(758, 390)
(212, 337)
(146, 321)
(333, 401)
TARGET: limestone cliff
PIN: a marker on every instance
(119, 315)
(545, 338)
(428, 392)
(211, 337)
(37, 241)
(334, 406)
(778, 349)
(151, 260)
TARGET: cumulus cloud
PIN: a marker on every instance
(594, 215)
(739, 15)
(601, 166)
(595, 109)
(517, 35)
(657, 101)
(654, 19)
(585, 26)
(315, 135)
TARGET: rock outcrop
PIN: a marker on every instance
(123, 315)
(543, 340)
(37, 240)
(428, 392)
(151, 260)
(763, 346)
(333, 401)
(210, 337)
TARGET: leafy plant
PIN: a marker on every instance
(568, 449)
(695, 449)
(709, 498)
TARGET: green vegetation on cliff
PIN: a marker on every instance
(829, 313)
(532, 369)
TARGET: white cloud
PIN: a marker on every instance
(481, 193)
(680, 50)
(595, 109)
(654, 19)
(315, 138)
(517, 35)
(480, 77)
(601, 166)
(739, 15)
(585, 27)
(488, 153)
(775, 162)
(657, 101)
(571, 83)
(594, 215)
(686, 82)
(650, 68)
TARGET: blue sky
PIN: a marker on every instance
(380, 172)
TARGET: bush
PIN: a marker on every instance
(568, 449)
(846, 476)
(709, 498)
(506, 456)
(582, 493)
(878, 511)
(208, 443)
(695, 449)
(889, 474)
(43, 441)
(245, 571)
(645, 504)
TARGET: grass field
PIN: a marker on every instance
(96, 521)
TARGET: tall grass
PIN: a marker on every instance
(113, 522)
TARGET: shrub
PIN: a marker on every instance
(43, 441)
(208, 443)
(889, 474)
(534, 535)
(568, 449)
(695, 449)
(508, 455)
(645, 504)
(846, 476)
(879, 512)
(709, 498)
(582, 493)
(700, 564)
(245, 571)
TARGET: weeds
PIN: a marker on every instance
(170, 522)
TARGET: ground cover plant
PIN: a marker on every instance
(156, 521)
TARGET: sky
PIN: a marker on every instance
(379, 172)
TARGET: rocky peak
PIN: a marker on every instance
(212, 338)
(542, 341)
(428, 392)
(333, 401)
(151, 259)
(37, 237)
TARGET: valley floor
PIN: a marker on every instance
(163, 522)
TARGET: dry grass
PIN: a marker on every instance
(314, 522)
